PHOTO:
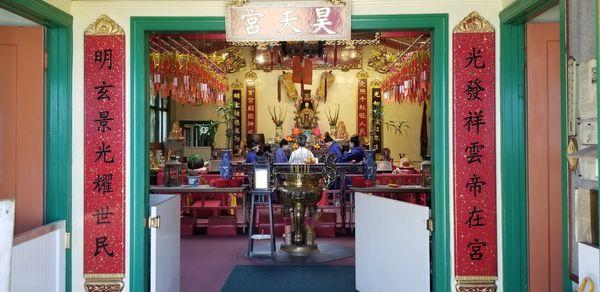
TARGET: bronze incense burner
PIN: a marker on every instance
(299, 190)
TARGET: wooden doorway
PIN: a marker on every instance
(544, 159)
(22, 123)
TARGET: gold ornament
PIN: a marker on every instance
(103, 282)
(285, 80)
(250, 76)
(232, 62)
(362, 75)
(476, 283)
(237, 3)
(104, 25)
(376, 83)
(237, 84)
(473, 23)
(381, 60)
(327, 75)
(376, 40)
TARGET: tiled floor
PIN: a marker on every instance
(207, 261)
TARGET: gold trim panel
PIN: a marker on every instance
(473, 23)
(104, 285)
(103, 276)
(476, 283)
(104, 25)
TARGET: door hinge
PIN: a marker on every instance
(154, 222)
(45, 60)
(67, 240)
(430, 225)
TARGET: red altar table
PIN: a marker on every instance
(404, 179)
(205, 179)
(207, 199)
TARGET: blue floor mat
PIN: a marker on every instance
(290, 278)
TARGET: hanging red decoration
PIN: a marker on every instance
(408, 80)
(187, 78)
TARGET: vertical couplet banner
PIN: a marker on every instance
(104, 156)
(236, 95)
(377, 143)
(475, 237)
(362, 113)
(251, 102)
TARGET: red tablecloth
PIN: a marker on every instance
(404, 179)
(205, 179)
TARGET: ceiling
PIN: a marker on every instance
(11, 19)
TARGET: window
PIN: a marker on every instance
(198, 133)
(159, 118)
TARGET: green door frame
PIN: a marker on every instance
(514, 140)
(141, 27)
(57, 108)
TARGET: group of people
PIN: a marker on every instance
(354, 154)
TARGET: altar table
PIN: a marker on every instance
(204, 191)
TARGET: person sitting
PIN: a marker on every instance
(252, 156)
(356, 153)
(280, 154)
(301, 154)
(333, 147)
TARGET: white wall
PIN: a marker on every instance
(87, 11)
(507, 2)
(64, 5)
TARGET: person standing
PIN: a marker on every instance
(280, 154)
(301, 154)
(333, 147)
(252, 156)
(356, 153)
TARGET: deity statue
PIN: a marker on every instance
(342, 133)
(306, 112)
(176, 132)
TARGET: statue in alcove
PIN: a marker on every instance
(307, 116)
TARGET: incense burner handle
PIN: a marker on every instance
(329, 171)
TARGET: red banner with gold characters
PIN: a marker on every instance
(104, 155)
(475, 237)
(376, 123)
(236, 96)
(362, 112)
(251, 102)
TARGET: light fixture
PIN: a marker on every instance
(260, 59)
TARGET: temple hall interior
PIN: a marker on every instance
(299, 145)
(219, 107)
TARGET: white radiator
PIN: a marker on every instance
(38, 259)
